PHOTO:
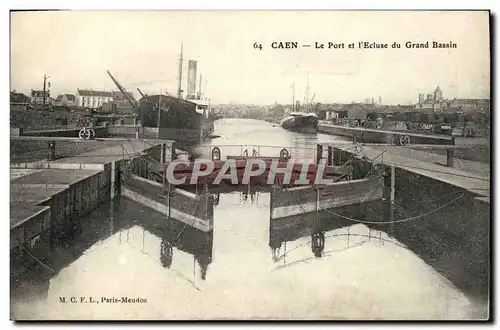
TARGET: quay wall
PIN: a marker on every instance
(124, 130)
(71, 201)
(33, 225)
(364, 135)
(68, 195)
(79, 199)
(99, 132)
(184, 136)
(29, 238)
(61, 207)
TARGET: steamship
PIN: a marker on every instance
(185, 120)
(303, 122)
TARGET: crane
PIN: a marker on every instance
(142, 94)
(130, 100)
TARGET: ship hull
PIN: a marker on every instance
(301, 123)
(177, 120)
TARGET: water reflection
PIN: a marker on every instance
(328, 266)
(252, 192)
(172, 236)
(248, 194)
(166, 253)
(318, 243)
(89, 231)
(332, 231)
(316, 227)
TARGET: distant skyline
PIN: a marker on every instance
(141, 49)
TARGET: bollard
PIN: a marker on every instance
(52, 150)
(330, 155)
(386, 192)
(319, 153)
(393, 185)
(449, 157)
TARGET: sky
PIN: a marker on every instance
(141, 49)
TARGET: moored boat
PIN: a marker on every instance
(301, 122)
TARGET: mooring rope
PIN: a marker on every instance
(194, 215)
(400, 220)
(37, 260)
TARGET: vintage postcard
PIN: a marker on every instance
(250, 165)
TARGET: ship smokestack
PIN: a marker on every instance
(191, 88)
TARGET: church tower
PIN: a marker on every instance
(438, 95)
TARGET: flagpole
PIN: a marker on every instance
(159, 114)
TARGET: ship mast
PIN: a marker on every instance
(199, 92)
(293, 96)
(179, 88)
(307, 91)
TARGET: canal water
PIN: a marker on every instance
(248, 267)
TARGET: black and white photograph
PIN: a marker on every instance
(257, 165)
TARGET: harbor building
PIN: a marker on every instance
(92, 99)
(437, 102)
(37, 97)
(433, 100)
(65, 100)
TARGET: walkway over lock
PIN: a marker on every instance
(245, 169)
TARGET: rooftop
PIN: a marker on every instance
(117, 95)
(89, 92)
(471, 101)
(32, 195)
(54, 177)
(22, 213)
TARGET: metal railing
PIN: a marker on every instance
(302, 153)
